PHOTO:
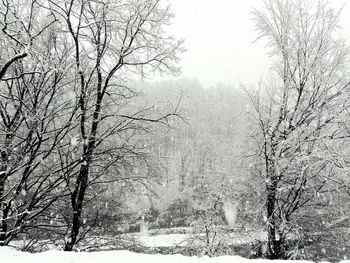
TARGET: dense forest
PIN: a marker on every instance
(95, 153)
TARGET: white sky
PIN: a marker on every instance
(219, 37)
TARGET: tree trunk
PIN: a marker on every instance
(3, 176)
(273, 243)
(77, 200)
(3, 224)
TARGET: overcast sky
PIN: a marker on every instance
(219, 37)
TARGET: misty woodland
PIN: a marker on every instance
(98, 152)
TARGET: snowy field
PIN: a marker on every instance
(10, 255)
(157, 238)
(171, 240)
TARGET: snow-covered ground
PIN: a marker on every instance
(10, 255)
(55, 254)
(156, 238)
(170, 240)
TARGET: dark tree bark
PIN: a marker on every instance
(8, 63)
(273, 246)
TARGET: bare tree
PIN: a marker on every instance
(32, 116)
(112, 42)
(297, 110)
